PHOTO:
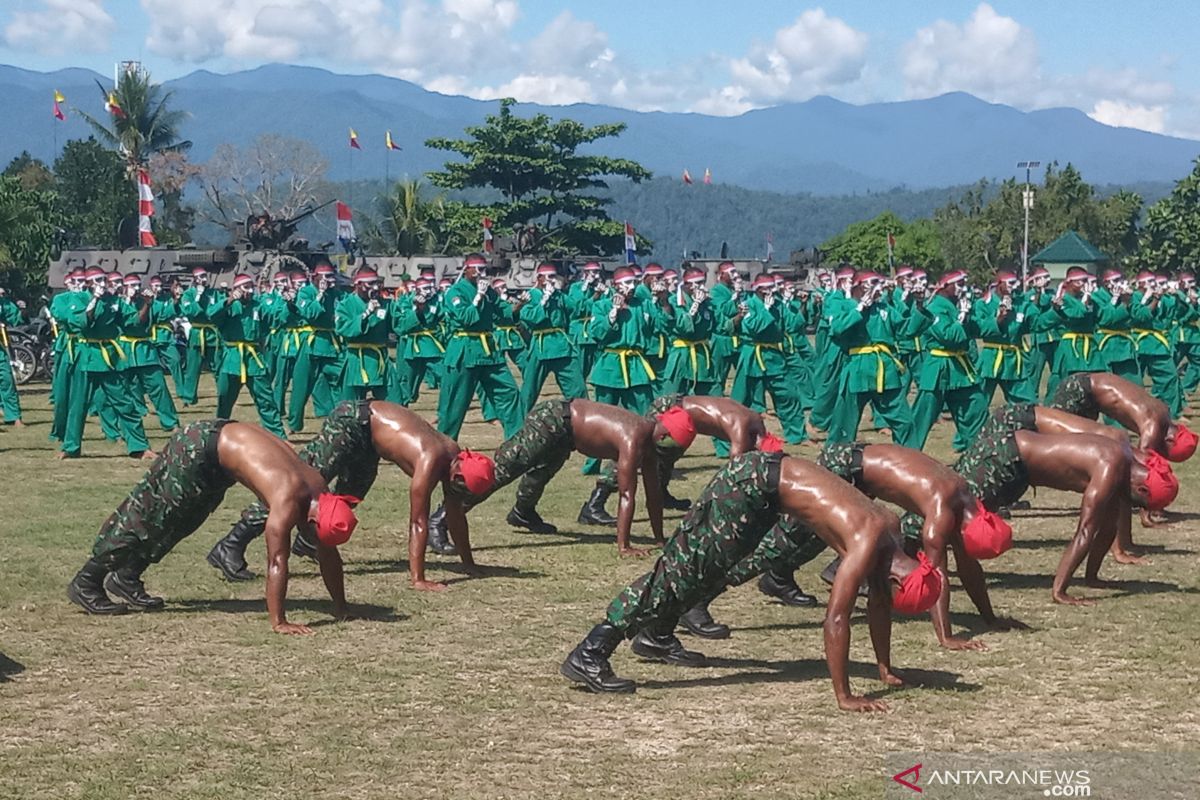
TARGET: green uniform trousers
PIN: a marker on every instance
(727, 522)
(312, 376)
(537, 371)
(1189, 359)
(1164, 380)
(111, 394)
(751, 391)
(891, 405)
(168, 356)
(196, 361)
(230, 386)
(497, 385)
(1013, 391)
(967, 405)
(10, 399)
(183, 486)
(151, 381)
(63, 381)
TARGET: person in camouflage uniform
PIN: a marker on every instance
(1074, 396)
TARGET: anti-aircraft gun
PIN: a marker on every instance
(264, 232)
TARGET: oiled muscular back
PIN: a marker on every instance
(910, 479)
(604, 431)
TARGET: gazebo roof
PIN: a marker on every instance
(1070, 248)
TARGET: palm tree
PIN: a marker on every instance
(411, 224)
(147, 125)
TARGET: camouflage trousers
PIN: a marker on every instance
(726, 524)
(992, 465)
(183, 486)
(1074, 396)
(844, 459)
(341, 452)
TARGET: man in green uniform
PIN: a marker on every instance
(862, 326)
(947, 378)
(1075, 311)
(902, 299)
(473, 360)
(1115, 339)
(63, 308)
(415, 321)
(202, 335)
(181, 490)
(761, 362)
(272, 313)
(1187, 345)
(319, 359)
(1001, 319)
(546, 315)
(361, 320)
(1044, 329)
(827, 372)
(653, 291)
(238, 320)
(143, 370)
(622, 327)
(691, 367)
(11, 315)
(743, 503)
(98, 379)
(163, 313)
(797, 352)
(1152, 309)
(582, 296)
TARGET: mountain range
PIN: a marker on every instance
(820, 146)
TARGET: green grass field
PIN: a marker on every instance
(457, 694)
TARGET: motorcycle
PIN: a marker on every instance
(30, 349)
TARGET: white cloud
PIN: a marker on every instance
(1126, 115)
(817, 53)
(61, 27)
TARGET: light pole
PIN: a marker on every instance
(1027, 202)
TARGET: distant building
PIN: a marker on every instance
(1069, 250)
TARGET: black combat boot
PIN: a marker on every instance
(303, 547)
(698, 622)
(86, 590)
(672, 503)
(229, 554)
(588, 662)
(665, 647)
(126, 583)
(439, 534)
(782, 586)
(530, 520)
(593, 512)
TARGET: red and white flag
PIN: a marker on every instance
(707, 176)
(145, 210)
(489, 244)
(113, 107)
(687, 177)
(345, 222)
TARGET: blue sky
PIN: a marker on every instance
(1130, 63)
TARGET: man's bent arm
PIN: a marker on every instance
(460, 531)
(277, 533)
(332, 573)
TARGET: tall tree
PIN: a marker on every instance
(865, 244)
(94, 193)
(31, 172)
(146, 123)
(534, 163)
(1170, 239)
(29, 223)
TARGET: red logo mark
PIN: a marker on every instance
(915, 773)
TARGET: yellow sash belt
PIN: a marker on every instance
(879, 350)
(379, 350)
(104, 345)
(1110, 333)
(4, 335)
(693, 346)
(958, 355)
(625, 353)
(759, 347)
(202, 327)
(243, 348)
(432, 336)
(1142, 333)
(312, 332)
(483, 339)
(1001, 348)
(160, 326)
(1074, 338)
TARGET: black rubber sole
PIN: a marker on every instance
(233, 577)
(568, 671)
(117, 609)
(721, 634)
(112, 588)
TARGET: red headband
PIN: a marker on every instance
(920, 589)
(335, 518)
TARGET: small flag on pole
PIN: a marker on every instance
(145, 210)
(113, 107)
(391, 145)
(489, 244)
(707, 176)
(687, 177)
(354, 140)
(630, 245)
(770, 246)
(345, 225)
(58, 112)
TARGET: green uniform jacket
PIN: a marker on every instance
(470, 330)
(366, 340)
(1112, 328)
(946, 365)
(240, 325)
(868, 339)
(272, 313)
(690, 357)
(99, 350)
(902, 314)
(581, 301)
(10, 316)
(621, 360)
(548, 325)
(1000, 354)
(1044, 326)
(1077, 350)
(795, 322)
(198, 309)
(62, 307)
(416, 330)
(724, 307)
(1189, 321)
(136, 340)
(319, 317)
(162, 313)
(763, 328)
(1150, 324)
(291, 337)
(508, 329)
